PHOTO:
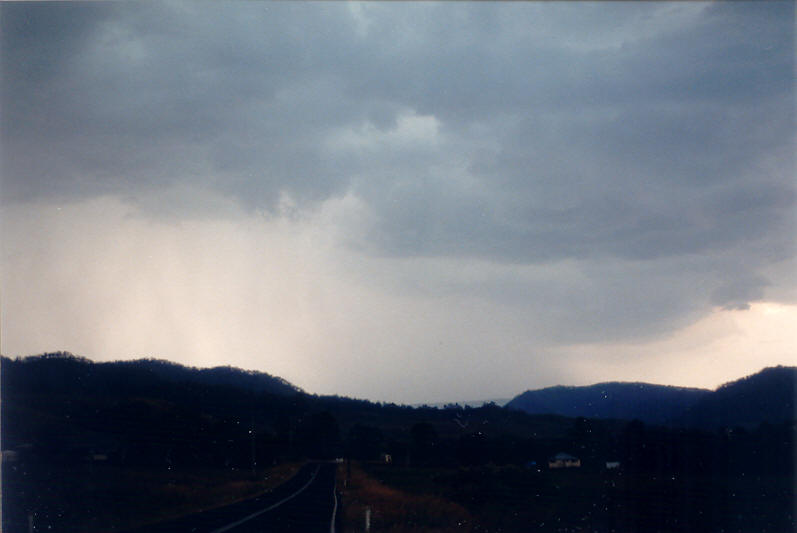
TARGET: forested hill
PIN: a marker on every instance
(656, 404)
(66, 372)
(767, 396)
(63, 408)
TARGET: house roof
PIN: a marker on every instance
(565, 457)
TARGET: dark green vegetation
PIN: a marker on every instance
(77, 421)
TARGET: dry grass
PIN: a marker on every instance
(396, 511)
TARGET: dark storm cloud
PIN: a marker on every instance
(143, 96)
(523, 133)
(625, 151)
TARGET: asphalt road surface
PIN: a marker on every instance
(306, 503)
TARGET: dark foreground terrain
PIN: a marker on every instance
(154, 447)
(97, 496)
(513, 499)
(306, 503)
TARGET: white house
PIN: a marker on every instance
(564, 460)
(10, 456)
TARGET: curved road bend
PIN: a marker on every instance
(306, 503)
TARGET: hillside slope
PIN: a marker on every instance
(62, 371)
(767, 396)
(655, 404)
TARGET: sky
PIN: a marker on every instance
(404, 202)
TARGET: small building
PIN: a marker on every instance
(564, 460)
(612, 465)
(18, 453)
(10, 456)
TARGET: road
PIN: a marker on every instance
(306, 503)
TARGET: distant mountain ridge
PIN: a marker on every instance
(655, 404)
(767, 396)
(63, 370)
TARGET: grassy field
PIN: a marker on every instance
(395, 510)
(95, 497)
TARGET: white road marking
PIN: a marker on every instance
(258, 513)
(335, 508)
